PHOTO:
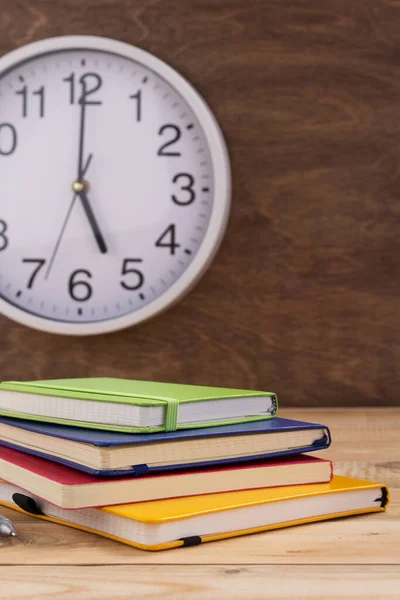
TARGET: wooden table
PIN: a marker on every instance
(357, 557)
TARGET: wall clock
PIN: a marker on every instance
(114, 185)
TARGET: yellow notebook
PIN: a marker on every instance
(163, 524)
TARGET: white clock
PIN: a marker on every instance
(114, 185)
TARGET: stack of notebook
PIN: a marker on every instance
(158, 466)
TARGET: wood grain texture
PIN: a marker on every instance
(369, 437)
(303, 296)
(252, 583)
(362, 540)
(356, 557)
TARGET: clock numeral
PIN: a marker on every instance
(80, 290)
(40, 93)
(175, 137)
(3, 237)
(138, 98)
(23, 92)
(126, 270)
(96, 82)
(187, 187)
(8, 139)
(171, 244)
(71, 80)
(40, 263)
(90, 82)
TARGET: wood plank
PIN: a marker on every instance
(367, 539)
(303, 296)
(358, 435)
(365, 441)
(253, 583)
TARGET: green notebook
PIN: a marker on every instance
(132, 406)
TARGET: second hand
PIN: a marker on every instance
(71, 206)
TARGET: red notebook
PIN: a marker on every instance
(72, 489)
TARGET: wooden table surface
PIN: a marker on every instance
(357, 557)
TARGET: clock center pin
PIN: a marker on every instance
(80, 186)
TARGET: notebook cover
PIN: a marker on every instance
(66, 476)
(110, 438)
(129, 391)
(163, 511)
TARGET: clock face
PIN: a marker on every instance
(114, 181)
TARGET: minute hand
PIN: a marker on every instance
(81, 132)
(92, 220)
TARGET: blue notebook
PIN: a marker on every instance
(111, 453)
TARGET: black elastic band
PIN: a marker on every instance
(141, 469)
(384, 498)
(193, 540)
(27, 504)
(321, 441)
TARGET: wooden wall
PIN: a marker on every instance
(304, 296)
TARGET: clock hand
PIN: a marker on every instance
(54, 253)
(80, 186)
(53, 256)
(88, 161)
(81, 134)
(92, 220)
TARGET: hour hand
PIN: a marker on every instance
(92, 219)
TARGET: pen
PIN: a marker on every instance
(6, 527)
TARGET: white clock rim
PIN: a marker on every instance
(222, 184)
